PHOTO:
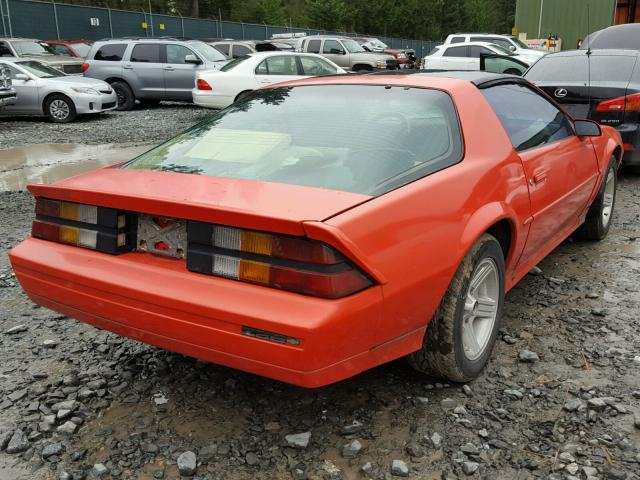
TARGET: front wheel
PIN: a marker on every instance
(598, 221)
(60, 109)
(460, 337)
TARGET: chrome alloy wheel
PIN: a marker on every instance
(609, 195)
(59, 109)
(480, 308)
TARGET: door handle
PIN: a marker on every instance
(265, 81)
(128, 67)
(538, 178)
(169, 68)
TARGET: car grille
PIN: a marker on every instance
(392, 64)
(5, 78)
(108, 105)
(71, 69)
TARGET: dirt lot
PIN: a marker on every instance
(131, 410)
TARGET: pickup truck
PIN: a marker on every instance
(7, 93)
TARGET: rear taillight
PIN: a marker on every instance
(203, 85)
(628, 103)
(85, 67)
(288, 263)
(103, 229)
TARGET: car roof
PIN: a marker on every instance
(20, 38)
(463, 44)
(599, 52)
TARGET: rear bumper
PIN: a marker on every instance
(156, 301)
(207, 99)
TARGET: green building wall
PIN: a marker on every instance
(570, 20)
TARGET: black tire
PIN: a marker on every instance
(513, 71)
(60, 108)
(126, 98)
(442, 354)
(362, 68)
(595, 227)
(243, 95)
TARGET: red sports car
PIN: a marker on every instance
(322, 227)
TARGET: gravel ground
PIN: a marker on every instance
(559, 400)
(142, 125)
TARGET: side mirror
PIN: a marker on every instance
(192, 59)
(512, 48)
(587, 128)
(366, 47)
(22, 76)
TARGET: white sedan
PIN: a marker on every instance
(220, 88)
(44, 90)
(466, 56)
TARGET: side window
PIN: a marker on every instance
(14, 71)
(146, 53)
(60, 49)
(529, 119)
(455, 52)
(503, 42)
(332, 46)
(313, 46)
(316, 67)
(457, 40)
(5, 51)
(285, 65)
(240, 51)
(177, 54)
(112, 52)
(476, 50)
(222, 48)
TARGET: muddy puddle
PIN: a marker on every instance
(46, 163)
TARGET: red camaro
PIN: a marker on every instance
(321, 227)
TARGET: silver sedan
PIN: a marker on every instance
(43, 90)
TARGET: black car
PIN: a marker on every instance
(603, 85)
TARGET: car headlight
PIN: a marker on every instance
(381, 63)
(87, 90)
(402, 55)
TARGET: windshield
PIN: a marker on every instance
(40, 70)
(29, 47)
(82, 49)
(352, 46)
(519, 42)
(359, 138)
(208, 52)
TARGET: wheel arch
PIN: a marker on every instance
(51, 94)
(248, 90)
(362, 66)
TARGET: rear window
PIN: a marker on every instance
(359, 138)
(551, 68)
(112, 52)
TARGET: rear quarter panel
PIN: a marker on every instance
(417, 235)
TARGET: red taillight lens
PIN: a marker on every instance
(103, 229)
(85, 67)
(203, 85)
(289, 263)
(628, 103)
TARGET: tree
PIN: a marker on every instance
(327, 14)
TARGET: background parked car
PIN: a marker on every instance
(346, 53)
(72, 48)
(509, 42)
(7, 92)
(603, 86)
(150, 70)
(405, 57)
(239, 48)
(466, 56)
(625, 36)
(220, 88)
(44, 90)
(29, 48)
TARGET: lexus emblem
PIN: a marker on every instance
(560, 92)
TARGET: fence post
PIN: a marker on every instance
(4, 28)
(182, 26)
(242, 27)
(110, 24)
(151, 19)
(55, 18)
(9, 18)
(266, 31)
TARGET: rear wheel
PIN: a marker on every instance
(362, 68)
(598, 221)
(60, 109)
(126, 98)
(460, 337)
